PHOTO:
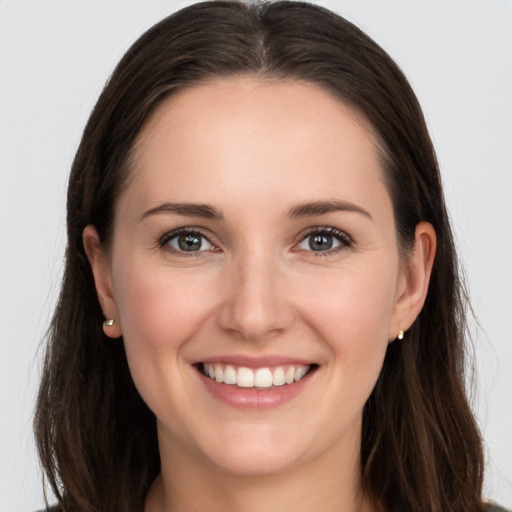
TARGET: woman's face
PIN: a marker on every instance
(255, 242)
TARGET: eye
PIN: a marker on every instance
(186, 240)
(325, 240)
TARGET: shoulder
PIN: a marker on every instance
(57, 508)
(496, 508)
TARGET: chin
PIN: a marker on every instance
(255, 455)
(255, 463)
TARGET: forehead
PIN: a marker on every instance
(271, 102)
(265, 136)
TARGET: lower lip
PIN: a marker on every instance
(250, 398)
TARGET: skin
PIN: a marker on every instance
(253, 150)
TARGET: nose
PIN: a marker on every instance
(256, 307)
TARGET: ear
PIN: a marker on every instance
(102, 279)
(413, 285)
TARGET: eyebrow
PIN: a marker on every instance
(204, 211)
(317, 208)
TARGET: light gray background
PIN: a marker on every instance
(55, 57)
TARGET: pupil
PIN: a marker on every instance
(189, 242)
(320, 242)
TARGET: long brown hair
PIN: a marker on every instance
(421, 450)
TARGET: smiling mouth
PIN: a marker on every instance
(260, 378)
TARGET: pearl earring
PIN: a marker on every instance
(400, 335)
(109, 322)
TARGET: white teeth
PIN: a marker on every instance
(245, 377)
(278, 377)
(299, 373)
(229, 375)
(262, 378)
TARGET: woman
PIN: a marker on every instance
(255, 217)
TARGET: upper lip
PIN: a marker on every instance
(247, 361)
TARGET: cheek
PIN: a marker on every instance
(159, 309)
(351, 304)
(350, 311)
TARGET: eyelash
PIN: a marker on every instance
(164, 240)
(343, 238)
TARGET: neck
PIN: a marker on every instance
(330, 483)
